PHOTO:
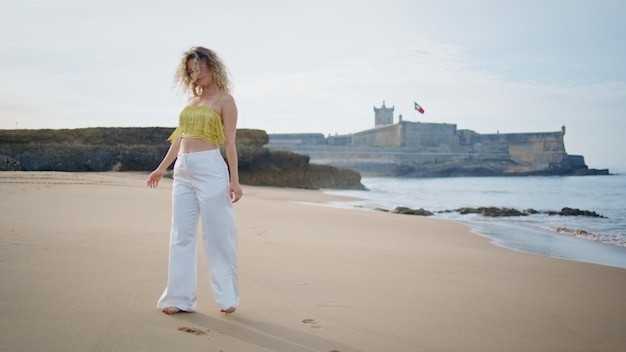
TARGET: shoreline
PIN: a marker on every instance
(541, 242)
(499, 196)
(532, 240)
(92, 248)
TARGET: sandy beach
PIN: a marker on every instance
(83, 259)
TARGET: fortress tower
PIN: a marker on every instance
(383, 116)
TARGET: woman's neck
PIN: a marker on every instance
(207, 97)
(208, 92)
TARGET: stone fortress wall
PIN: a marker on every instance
(436, 149)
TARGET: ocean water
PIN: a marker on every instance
(578, 238)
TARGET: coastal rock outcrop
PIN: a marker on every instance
(9, 164)
(492, 211)
(575, 212)
(498, 212)
(141, 149)
(409, 211)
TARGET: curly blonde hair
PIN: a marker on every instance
(186, 81)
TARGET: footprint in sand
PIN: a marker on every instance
(313, 323)
(191, 330)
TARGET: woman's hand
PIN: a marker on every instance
(155, 177)
(235, 192)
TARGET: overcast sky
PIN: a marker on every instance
(321, 66)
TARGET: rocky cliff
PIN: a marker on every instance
(141, 149)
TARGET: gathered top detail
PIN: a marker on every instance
(200, 122)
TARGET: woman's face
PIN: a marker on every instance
(201, 75)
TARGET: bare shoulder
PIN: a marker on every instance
(228, 106)
(228, 99)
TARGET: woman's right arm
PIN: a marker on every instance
(172, 153)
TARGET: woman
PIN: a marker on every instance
(203, 188)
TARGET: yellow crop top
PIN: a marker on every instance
(200, 122)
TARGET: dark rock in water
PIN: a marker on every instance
(576, 212)
(492, 211)
(141, 149)
(409, 211)
(467, 210)
(500, 212)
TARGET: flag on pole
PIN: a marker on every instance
(418, 108)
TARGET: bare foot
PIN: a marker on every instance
(171, 310)
(228, 310)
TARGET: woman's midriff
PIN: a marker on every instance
(192, 145)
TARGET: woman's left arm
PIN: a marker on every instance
(229, 117)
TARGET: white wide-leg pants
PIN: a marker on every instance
(200, 191)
